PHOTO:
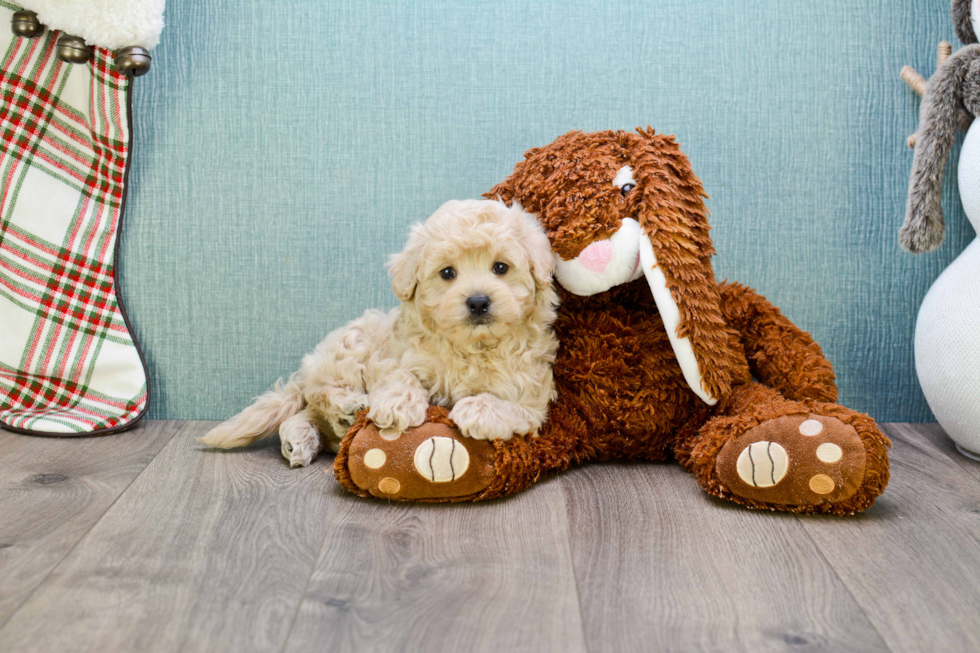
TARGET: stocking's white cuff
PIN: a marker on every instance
(109, 24)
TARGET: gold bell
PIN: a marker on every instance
(133, 60)
(26, 24)
(72, 49)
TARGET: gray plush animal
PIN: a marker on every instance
(954, 89)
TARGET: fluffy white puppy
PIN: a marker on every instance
(473, 333)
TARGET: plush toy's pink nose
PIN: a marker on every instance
(596, 256)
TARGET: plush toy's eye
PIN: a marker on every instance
(447, 273)
(500, 268)
(627, 188)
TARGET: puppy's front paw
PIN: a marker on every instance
(353, 403)
(478, 419)
(398, 409)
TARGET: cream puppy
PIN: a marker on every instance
(473, 333)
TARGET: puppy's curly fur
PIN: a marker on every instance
(473, 333)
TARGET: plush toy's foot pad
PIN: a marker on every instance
(429, 462)
(796, 460)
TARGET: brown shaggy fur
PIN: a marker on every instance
(621, 394)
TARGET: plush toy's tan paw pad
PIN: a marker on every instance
(432, 461)
(794, 460)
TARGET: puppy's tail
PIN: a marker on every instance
(259, 420)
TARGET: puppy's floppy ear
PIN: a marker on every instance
(539, 251)
(542, 260)
(675, 253)
(403, 266)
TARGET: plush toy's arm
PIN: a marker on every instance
(398, 401)
(924, 227)
(918, 84)
(780, 354)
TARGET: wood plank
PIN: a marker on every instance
(53, 490)
(913, 560)
(935, 434)
(206, 551)
(661, 566)
(453, 577)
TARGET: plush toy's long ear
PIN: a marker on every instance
(924, 227)
(676, 258)
(403, 266)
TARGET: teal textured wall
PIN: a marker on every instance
(282, 149)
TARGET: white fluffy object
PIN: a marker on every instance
(947, 346)
(109, 24)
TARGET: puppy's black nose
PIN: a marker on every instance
(479, 305)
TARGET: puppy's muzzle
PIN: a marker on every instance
(479, 309)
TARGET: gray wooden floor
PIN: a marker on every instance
(145, 541)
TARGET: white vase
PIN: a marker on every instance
(947, 333)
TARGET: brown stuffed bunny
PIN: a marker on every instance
(656, 357)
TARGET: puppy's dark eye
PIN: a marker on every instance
(627, 188)
(447, 273)
(500, 268)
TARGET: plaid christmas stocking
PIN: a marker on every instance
(68, 362)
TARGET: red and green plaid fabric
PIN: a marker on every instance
(68, 364)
